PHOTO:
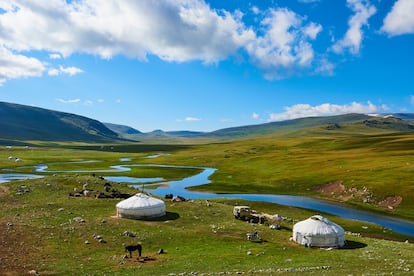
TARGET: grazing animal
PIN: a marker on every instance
(107, 187)
(130, 248)
(253, 236)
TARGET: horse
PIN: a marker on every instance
(130, 248)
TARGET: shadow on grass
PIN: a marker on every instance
(167, 216)
(354, 245)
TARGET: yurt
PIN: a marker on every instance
(140, 206)
(318, 231)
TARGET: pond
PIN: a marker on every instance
(179, 187)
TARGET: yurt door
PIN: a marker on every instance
(298, 238)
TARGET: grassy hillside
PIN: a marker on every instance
(19, 122)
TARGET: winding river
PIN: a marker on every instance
(178, 187)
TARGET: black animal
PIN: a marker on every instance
(131, 248)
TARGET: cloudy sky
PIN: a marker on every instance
(207, 64)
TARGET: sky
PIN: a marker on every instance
(204, 65)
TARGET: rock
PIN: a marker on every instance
(78, 219)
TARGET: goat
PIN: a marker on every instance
(131, 248)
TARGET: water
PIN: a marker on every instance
(178, 187)
(6, 177)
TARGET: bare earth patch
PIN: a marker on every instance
(390, 202)
(338, 190)
(17, 249)
(331, 188)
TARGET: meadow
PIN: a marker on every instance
(40, 229)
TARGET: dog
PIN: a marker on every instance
(131, 248)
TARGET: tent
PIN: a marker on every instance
(318, 231)
(140, 206)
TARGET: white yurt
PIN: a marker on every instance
(318, 231)
(140, 206)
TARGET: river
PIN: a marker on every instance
(178, 187)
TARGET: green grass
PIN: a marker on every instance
(207, 239)
(195, 237)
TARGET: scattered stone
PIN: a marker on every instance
(87, 242)
(129, 234)
(9, 224)
(78, 219)
(160, 251)
(33, 272)
(61, 209)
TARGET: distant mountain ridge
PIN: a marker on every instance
(21, 122)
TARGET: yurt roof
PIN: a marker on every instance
(318, 225)
(140, 201)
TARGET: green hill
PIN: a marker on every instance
(20, 122)
(348, 124)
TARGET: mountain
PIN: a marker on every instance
(348, 124)
(288, 125)
(122, 129)
(179, 133)
(21, 122)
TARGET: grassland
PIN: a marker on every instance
(40, 233)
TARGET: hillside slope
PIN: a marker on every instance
(348, 124)
(20, 122)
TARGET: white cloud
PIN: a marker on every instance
(412, 100)
(191, 119)
(308, 1)
(173, 30)
(284, 44)
(255, 10)
(71, 101)
(53, 72)
(255, 116)
(55, 56)
(353, 38)
(327, 109)
(71, 71)
(14, 66)
(400, 20)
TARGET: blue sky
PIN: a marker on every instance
(206, 65)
